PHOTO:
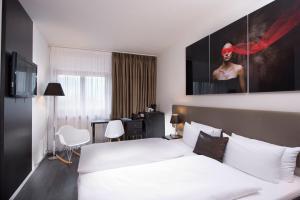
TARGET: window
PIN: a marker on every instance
(94, 97)
(85, 77)
(85, 98)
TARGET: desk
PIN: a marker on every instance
(131, 127)
(93, 123)
(153, 125)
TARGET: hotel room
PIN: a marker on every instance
(150, 100)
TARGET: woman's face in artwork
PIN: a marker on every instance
(227, 52)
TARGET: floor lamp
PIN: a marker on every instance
(53, 89)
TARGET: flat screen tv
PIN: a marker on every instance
(23, 77)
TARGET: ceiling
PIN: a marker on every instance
(136, 26)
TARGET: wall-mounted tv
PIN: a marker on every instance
(23, 77)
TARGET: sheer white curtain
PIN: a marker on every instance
(85, 77)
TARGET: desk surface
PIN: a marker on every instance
(100, 121)
(104, 121)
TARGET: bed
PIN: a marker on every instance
(280, 191)
(191, 177)
(184, 175)
(103, 156)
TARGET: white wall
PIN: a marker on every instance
(171, 73)
(39, 104)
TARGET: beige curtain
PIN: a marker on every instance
(133, 83)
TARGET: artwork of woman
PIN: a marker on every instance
(230, 73)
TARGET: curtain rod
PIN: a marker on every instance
(100, 50)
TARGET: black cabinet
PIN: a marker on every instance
(133, 129)
(154, 125)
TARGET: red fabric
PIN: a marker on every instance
(277, 30)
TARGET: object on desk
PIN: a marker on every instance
(135, 116)
(139, 115)
(174, 121)
(153, 106)
(114, 129)
(148, 109)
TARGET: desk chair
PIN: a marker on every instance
(72, 138)
(114, 129)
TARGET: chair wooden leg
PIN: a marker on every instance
(76, 153)
(69, 151)
(63, 160)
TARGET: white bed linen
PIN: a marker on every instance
(191, 177)
(102, 156)
(271, 191)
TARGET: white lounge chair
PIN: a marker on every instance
(72, 138)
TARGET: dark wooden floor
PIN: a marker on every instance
(52, 180)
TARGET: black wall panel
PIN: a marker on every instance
(16, 129)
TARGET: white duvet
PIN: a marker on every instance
(102, 156)
(281, 191)
(190, 177)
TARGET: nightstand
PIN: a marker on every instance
(172, 137)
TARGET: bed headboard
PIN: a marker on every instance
(281, 128)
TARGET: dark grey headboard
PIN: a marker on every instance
(281, 128)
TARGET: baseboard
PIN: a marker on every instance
(13, 196)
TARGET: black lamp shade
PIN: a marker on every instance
(175, 119)
(54, 89)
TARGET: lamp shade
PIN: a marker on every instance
(175, 119)
(54, 89)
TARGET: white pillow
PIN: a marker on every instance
(288, 163)
(258, 160)
(215, 132)
(288, 160)
(190, 135)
